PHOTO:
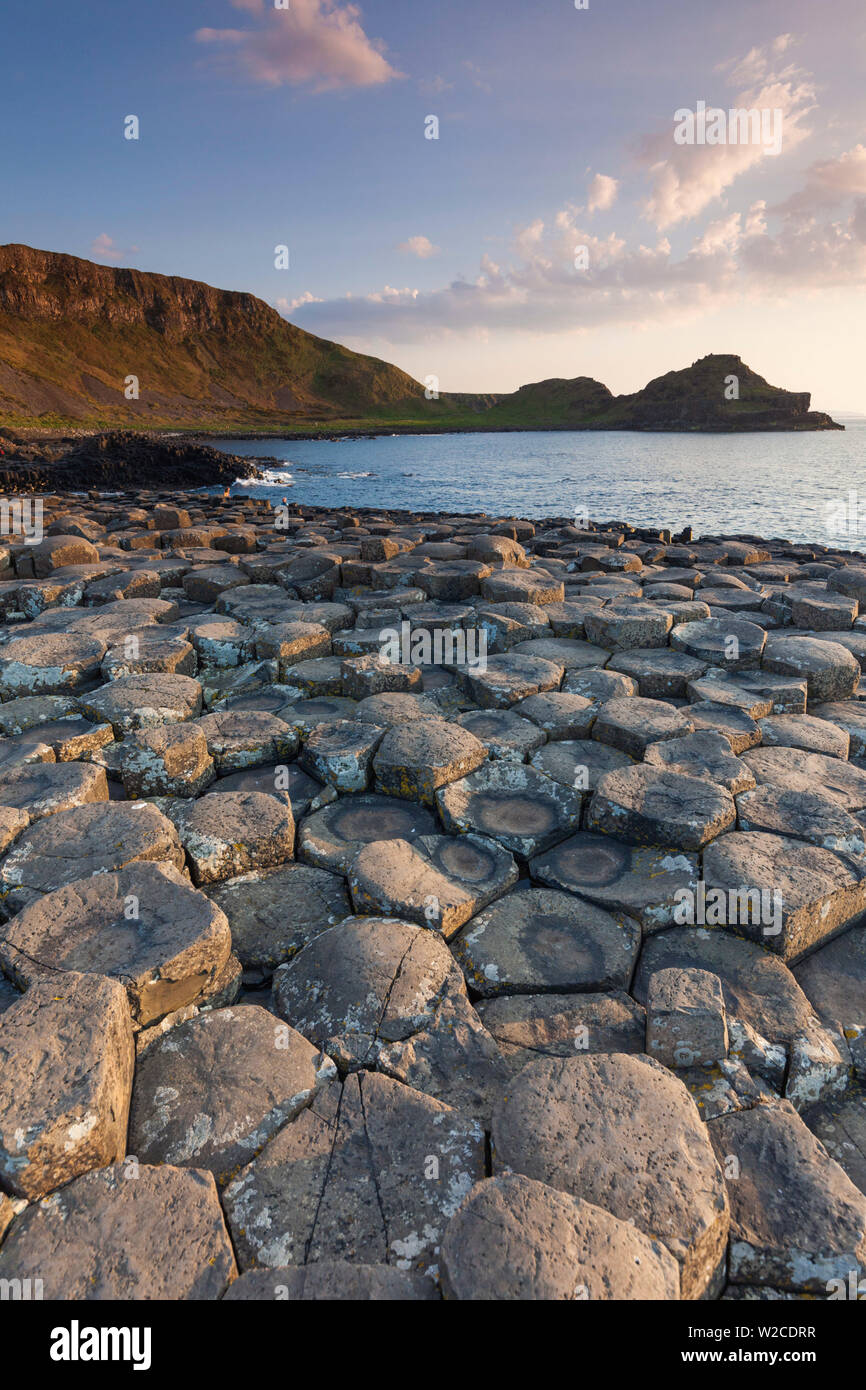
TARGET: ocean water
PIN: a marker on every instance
(804, 487)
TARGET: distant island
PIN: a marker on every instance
(86, 347)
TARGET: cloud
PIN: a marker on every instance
(602, 193)
(288, 306)
(687, 178)
(735, 258)
(420, 246)
(316, 43)
(435, 85)
(828, 183)
(476, 76)
(104, 248)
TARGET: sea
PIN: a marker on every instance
(803, 487)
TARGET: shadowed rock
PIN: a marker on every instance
(275, 912)
(537, 940)
(522, 809)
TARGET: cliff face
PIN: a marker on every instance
(45, 285)
(73, 333)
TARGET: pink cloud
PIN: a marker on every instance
(736, 258)
(829, 183)
(420, 246)
(602, 193)
(317, 43)
(687, 178)
(104, 248)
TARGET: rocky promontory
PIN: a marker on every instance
(122, 461)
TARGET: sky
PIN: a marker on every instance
(556, 226)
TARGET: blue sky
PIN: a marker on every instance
(455, 257)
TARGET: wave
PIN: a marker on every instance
(273, 477)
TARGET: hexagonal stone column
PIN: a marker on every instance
(622, 627)
(101, 837)
(229, 833)
(238, 739)
(536, 939)
(371, 1173)
(645, 883)
(366, 982)
(146, 926)
(811, 816)
(829, 669)
(784, 893)
(125, 1233)
(686, 1021)
(653, 807)
(561, 1025)
(796, 770)
(66, 1062)
(330, 838)
(273, 913)
(507, 679)
(758, 989)
(47, 788)
(796, 1221)
(439, 881)
(414, 760)
(521, 808)
(138, 702)
(212, 1090)
(734, 644)
(517, 1239)
(49, 663)
(166, 761)
(340, 753)
(588, 1126)
(631, 724)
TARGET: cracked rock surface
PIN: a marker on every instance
(528, 965)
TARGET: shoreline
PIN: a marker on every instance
(33, 434)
